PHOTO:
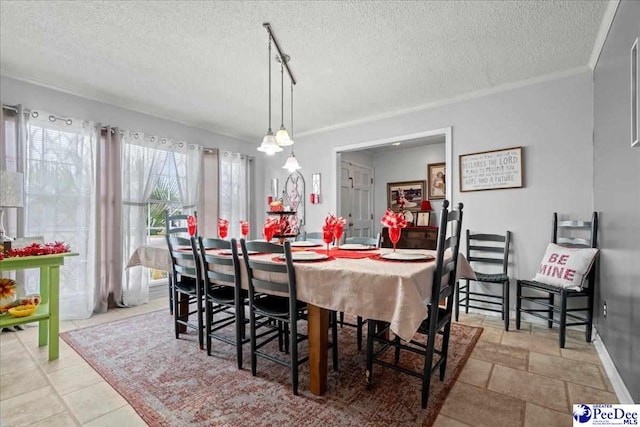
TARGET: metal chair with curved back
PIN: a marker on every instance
(438, 321)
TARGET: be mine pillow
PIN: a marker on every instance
(565, 267)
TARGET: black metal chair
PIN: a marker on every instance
(485, 251)
(573, 234)
(271, 316)
(371, 241)
(225, 300)
(187, 285)
(438, 320)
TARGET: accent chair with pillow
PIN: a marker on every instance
(567, 270)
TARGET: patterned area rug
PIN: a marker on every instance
(171, 382)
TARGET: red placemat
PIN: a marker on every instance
(340, 253)
(278, 259)
(378, 258)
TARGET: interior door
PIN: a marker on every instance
(356, 190)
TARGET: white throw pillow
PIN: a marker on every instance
(565, 267)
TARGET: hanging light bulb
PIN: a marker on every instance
(269, 144)
(282, 136)
(292, 164)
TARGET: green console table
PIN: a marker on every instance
(48, 312)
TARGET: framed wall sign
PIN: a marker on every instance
(635, 95)
(405, 195)
(491, 170)
(423, 219)
(437, 185)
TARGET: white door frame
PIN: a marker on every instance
(448, 155)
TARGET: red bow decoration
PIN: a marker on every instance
(393, 219)
(38, 249)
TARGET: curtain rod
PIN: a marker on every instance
(267, 26)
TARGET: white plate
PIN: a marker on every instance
(356, 247)
(304, 244)
(228, 252)
(406, 256)
(306, 256)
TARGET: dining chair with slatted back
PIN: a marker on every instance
(487, 253)
(273, 302)
(567, 270)
(187, 285)
(225, 300)
(176, 225)
(370, 241)
(438, 321)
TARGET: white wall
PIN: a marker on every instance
(552, 120)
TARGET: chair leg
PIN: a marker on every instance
(551, 306)
(467, 290)
(239, 333)
(457, 299)
(280, 336)
(445, 350)
(341, 319)
(334, 339)
(518, 303)
(169, 277)
(359, 323)
(563, 318)
(294, 354)
(589, 325)
(505, 304)
(426, 374)
(371, 326)
(176, 312)
(252, 338)
(208, 319)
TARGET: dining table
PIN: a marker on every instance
(358, 282)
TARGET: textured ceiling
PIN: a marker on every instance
(204, 63)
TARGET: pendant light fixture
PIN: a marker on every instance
(291, 164)
(269, 144)
(282, 137)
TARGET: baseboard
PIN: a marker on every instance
(622, 393)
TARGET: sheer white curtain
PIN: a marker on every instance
(142, 159)
(60, 205)
(188, 160)
(235, 170)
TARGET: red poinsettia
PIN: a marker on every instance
(37, 249)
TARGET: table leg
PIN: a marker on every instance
(318, 326)
(45, 298)
(54, 312)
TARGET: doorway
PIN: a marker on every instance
(356, 199)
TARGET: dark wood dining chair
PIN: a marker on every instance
(176, 225)
(187, 285)
(271, 315)
(225, 300)
(370, 241)
(438, 321)
(574, 234)
(486, 252)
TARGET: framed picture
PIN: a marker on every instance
(491, 170)
(437, 185)
(423, 218)
(405, 195)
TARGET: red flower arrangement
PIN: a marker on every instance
(36, 249)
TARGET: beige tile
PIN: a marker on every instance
(566, 369)
(494, 322)
(582, 394)
(530, 387)
(68, 358)
(531, 342)
(65, 419)
(22, 378)
(126, 416)
(9, 343)
(479, 407)
(586, 354)
(73, 378)
(607, 381)
(471, 318)
(476, 372)
(539, 416)
(94, 401)
(443, 421)
(29, 408)
(501, 354)
(493, 335)
(15, 361)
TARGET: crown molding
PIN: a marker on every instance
(601, 37)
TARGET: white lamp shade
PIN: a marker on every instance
(269, 145)
(282, 138)
(291, 164)
(11, 189)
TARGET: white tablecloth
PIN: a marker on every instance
(152, 256)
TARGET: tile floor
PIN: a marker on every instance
(515, 378)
